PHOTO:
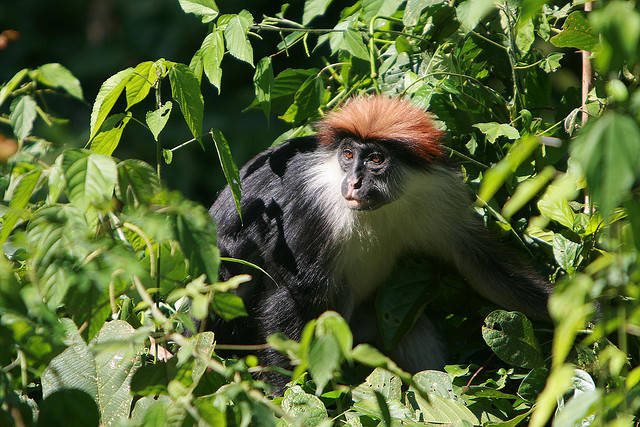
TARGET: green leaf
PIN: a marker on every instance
(471, 12)
(12, 84)
(493, 130)
(228, 166)
(525, 36)
(510, 336)
(554, 203)
(137, 182)
(140, 83)
(151, 411)
(566, 252)
(442, 411)
(577, 33)
(498, 174)
(414, 9)
(185, 90)
(579, 408)
(167, 155)
(533, 384)
(207, 10)
(372, 8)
(103, 374)
(527, 190)
(89, 177)
(331, 323)
(354, 45)
(55, 181)
(235, 36)
(57, 76)
(552, 62)
(306, 409)
(324, 359)
(107, 140)
(18, 203)
(435, 383)
(609, 154)
(263, 82)
(307, 101)
(558, 383)
(228, 305)
(23, 114)
(153, 379)
(313, 8)
(195, 231)
(379, 381)
(212, 51)
(69, 407)
(156, 120)
(107, 96)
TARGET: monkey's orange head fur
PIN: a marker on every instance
(381, 118)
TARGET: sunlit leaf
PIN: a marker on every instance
(156, 120)
(11, 85)
(577, 33)
(313, 8)
(141, 81)
(107, 140)
(185, 89)
(228, 166)
(107, 96)
(212, 51)
(207, 10)
(235, 36)
(18, 202)
(89, 177)
(57, 76)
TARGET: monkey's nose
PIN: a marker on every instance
(354, 183)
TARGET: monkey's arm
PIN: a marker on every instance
(500, 275)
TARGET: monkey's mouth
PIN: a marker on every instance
(359, 204)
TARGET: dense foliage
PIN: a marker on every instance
(103, 269)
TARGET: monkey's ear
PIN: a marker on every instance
(384, 119)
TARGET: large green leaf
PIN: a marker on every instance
(185, 89)
(156, 120)
(372, 8)
(324, 360)
(137, 182)
(577, 33)
(414, 8)
(89, 177)
(23, 114)
(138, 86)
(212, 51)
(609, 153)
(471, 12)
(263, 82)
(69, 408)
(235, 35)
(305, 408)
(313, 8)
(107, 96)
(510, 335)
(441, 410)
(207, 10)
(19, 200)
(56, 75)
(107, 140)
(103, 372)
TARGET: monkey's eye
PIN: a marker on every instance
(348, 154)
(376, 158)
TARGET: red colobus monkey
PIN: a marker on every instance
(327, 216)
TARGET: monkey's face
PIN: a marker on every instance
(368, 174)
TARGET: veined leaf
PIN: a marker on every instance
(235, 36)
(577, 33)
(493, 130)
(137, 182)
(313, 8)
(207, 10)
(107, 96)
(263, 82)
(414, 9)
(510, 336)
(185, 90)
(23, 113)
(138, 86)
(104, 374)
(56, 75)
(89, 176)
(371, 8)
(471, 12)
(212, 52)
(107, 140)
(19, 200)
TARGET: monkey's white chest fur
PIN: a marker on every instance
(370, 242)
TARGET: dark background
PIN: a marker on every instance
(97, 38)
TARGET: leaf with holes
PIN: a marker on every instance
(510, 336)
